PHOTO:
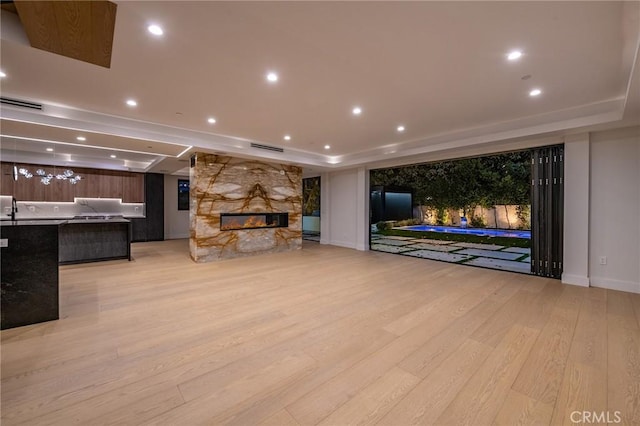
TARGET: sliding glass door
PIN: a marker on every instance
(547, 191)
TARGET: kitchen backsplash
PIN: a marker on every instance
(68, 210)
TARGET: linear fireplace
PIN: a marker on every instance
(234, 221)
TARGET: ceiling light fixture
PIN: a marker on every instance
(356, 110)
(327, 147)
(81, 138)
(400, 128)
(156, 30)
(535, 92)
(272, 77)
(132, 102)
(211, 120)
(514, 55)
(287, 137)
(112, 156)
(2, 74)
(49, 149)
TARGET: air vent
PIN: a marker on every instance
(267, 147)
(21, 104)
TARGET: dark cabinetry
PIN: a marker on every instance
(29, 273)
(152, 227)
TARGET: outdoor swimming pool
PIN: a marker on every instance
(483, 232)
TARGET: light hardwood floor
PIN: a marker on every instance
(326, 336)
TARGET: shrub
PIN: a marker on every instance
(440, 216)
(383, 226)
(477, 222)
(407, 222)
(523, 212)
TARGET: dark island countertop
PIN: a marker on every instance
(41, 222)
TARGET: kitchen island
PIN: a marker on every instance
(92, 239)
(32, 250)
(29, 272)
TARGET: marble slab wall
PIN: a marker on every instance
(221, 184)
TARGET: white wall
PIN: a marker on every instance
(176, 222)
(576, 211)
(345, 208)
(614, 212)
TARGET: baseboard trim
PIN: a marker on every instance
(608, 283)
(578, 280)
(176, 236)
(362, 247)
(342, 244)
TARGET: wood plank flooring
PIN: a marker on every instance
(326, 336)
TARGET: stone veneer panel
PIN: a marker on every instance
(221, 184)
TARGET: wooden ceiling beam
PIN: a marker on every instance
(80, 30)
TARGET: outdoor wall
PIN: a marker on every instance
(176, 222)
(221, 184)
(502, 217)
(614, 208)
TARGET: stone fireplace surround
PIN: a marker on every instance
(222, 186)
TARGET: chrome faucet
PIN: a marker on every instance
(14, 208)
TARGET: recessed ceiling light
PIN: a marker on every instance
(2, 74)
(287, 137)
(49, 149)
(535, 92)
(400, 128)
(211, 120)
(356, 110)
(132, 102)
(327, 147)
(272, 77)
(81, 138)
(112, 156)
(155, 30)
(514, 55)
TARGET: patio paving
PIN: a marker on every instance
(520, 250)
(479, 246)
(491, 253)
(505, 265)
(436, 255)
(396, 237)
(434, 247)
(430, 241)
(390, 242)
(485, 255)
(389, 249)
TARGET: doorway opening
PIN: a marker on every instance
(311, 209)
(501, 211)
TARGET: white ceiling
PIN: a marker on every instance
(439, 68)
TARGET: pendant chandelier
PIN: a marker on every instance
(46, 178)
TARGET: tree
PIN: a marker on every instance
(466, 183)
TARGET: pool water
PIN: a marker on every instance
(509, 233)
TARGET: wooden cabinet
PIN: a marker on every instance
(133, 188)
(95, 183)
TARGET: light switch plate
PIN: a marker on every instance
(4, 242)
